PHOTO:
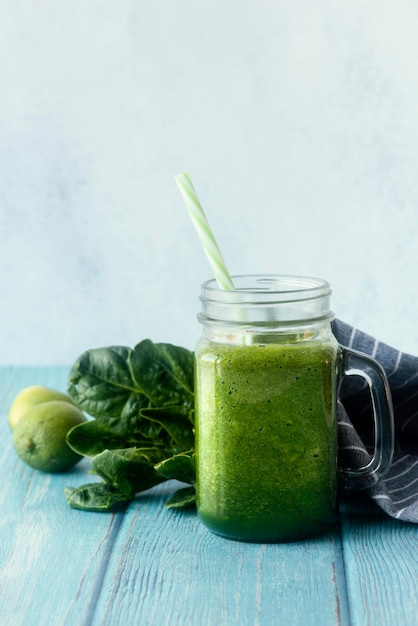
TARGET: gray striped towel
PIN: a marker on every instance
(397, 492)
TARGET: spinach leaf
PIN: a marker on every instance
(182, 499)
(92, 438)
(180, 466)
(142, 432)
(164, 372)
(101, 383)
(126, 470)
(94, 497)
(172, 419)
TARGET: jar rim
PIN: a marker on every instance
(266, 298)
(269, 284)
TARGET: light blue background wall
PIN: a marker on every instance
(297, 121)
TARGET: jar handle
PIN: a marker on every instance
(356, 363)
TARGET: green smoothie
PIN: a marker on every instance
(266, 448)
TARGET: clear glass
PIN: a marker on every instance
(267, 371)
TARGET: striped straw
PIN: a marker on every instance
(206, 237)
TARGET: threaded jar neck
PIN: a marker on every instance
(266, 301)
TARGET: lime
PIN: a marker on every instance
(39, 436)
(29, 397)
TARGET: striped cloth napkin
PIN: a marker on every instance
(397, 492)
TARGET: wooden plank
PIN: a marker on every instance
(166, 568)
(52, 558)
(148, 566)
(381, 565)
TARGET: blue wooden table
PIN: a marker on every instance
(150, 566)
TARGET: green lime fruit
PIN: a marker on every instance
(39, 436)
(31, 396)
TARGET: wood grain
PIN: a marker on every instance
(150, 566)
(166, 568)
(50, 556)
(381, 565)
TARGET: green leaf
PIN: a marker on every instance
(129, 421)
(100, 381)
(182, 499)
(172, 419)
(93, 497)
(142, 402)
(92, 437)
(164, 372)
(127, 471)
(180, 466)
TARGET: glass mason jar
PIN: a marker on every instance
(267, 374)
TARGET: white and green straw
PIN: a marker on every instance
(206, 237)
